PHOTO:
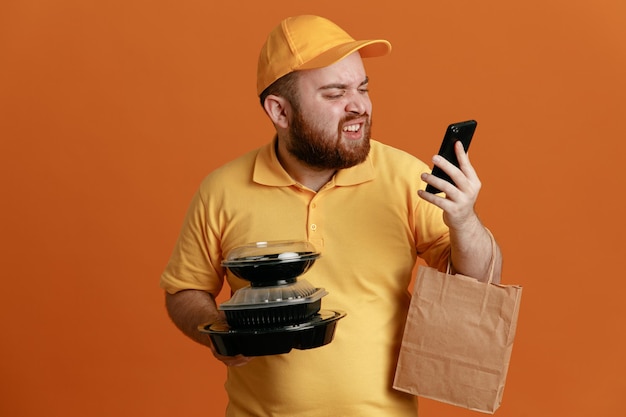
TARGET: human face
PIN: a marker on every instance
(331, 122)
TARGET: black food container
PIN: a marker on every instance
(273, 306)
(316, 332)
(271, 263)
(275, 313)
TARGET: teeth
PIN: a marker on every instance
(352, 128)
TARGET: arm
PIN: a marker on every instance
(471, 249)
(190, 308)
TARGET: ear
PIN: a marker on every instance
(278, 109)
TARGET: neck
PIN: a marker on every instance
(311, 178)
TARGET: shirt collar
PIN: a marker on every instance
(269, 171)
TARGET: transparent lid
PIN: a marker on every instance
(254, 297)
(270, 252)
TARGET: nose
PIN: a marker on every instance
(358, 103)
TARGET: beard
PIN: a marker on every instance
(320, 150)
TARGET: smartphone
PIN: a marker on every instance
(462, 131)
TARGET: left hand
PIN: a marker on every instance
(458, 203)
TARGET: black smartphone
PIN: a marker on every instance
(462, 131)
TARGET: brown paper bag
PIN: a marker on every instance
(458, 339)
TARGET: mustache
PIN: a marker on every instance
(350, 117)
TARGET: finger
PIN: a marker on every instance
(442, 202)
(439, 183)
(444, 164)
(238, 360)
(462, 176)
(455, 173)
(469, 182)
(464, 161)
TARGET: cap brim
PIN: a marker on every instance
(367, 49)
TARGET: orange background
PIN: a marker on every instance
(112, 112)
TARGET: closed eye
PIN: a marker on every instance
(335, 94)
(335, 91)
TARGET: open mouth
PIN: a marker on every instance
(352, 128)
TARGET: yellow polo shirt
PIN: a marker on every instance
(369, 225)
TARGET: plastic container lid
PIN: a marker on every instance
(271, 263)
(270, 253)
(300, 291)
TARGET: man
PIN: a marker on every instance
(362, 205)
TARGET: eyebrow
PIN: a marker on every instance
(342, 86)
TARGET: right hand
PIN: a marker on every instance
(238, 360)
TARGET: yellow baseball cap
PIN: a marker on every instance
(306, 42)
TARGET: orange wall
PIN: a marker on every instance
(111, 113)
